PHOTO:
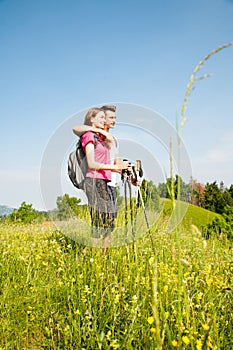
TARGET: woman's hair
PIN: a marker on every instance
(91, 113)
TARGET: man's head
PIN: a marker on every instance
(110, 115)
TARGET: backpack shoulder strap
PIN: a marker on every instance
(95, 139)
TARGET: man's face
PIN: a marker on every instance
(110, 119)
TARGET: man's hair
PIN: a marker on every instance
(109, 108)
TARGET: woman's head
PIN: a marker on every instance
(95, 117)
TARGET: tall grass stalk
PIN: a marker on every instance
(181, 118)
(180, 123)
(172, 189)
(155, 304)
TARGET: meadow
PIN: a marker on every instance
(167, 290)
(192, 214)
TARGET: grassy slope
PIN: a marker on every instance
(194, 215)
(170, 291)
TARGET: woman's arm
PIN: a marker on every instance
(79, 130)
(92, 164)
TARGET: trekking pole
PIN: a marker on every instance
(147, 222)
(139, 173)
(144, 209)
(131, 206)
(137, 199)
(126, 205)
(126, 179)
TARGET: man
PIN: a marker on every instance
(110, 115)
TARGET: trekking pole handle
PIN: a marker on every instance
(139, 167)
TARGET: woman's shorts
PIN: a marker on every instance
(99, 196)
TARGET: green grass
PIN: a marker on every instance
(55, 295)
(193, 215)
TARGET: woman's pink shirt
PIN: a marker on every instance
(101, 155)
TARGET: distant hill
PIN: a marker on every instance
(5, 210)
(194, 215)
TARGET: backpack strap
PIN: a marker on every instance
(95, 139)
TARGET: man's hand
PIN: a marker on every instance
(105, 133)
(136, 182)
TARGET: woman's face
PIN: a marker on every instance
(99, 120)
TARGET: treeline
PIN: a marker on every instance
(213, 197)
(218, 199)
(210, 196)
(69, 207)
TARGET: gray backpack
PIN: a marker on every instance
(77, 164)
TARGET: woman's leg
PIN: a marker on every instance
(106, 208)
(96, 220)
(100, 206)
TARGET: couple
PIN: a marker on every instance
(101, 151)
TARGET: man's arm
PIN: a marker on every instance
(79, 130)
(117, 159)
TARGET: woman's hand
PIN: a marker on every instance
(121, 165)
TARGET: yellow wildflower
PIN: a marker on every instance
(150, 319)
(209, 343)
(117, 298)
(153, 330)
(108, 335)
(199, 344)
(175, 343)
(185, 340)
(114, 344)
(206, 327)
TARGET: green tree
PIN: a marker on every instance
(227, 198)
(185, 190)
(165, 190)
(162, 190)
(213, 198)
(150, 194)
(26, 214)
(231, 191)
(228, 217)
(67, 207)
(221, 226)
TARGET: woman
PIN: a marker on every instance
(97, 151)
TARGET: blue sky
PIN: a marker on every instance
(60, 57)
